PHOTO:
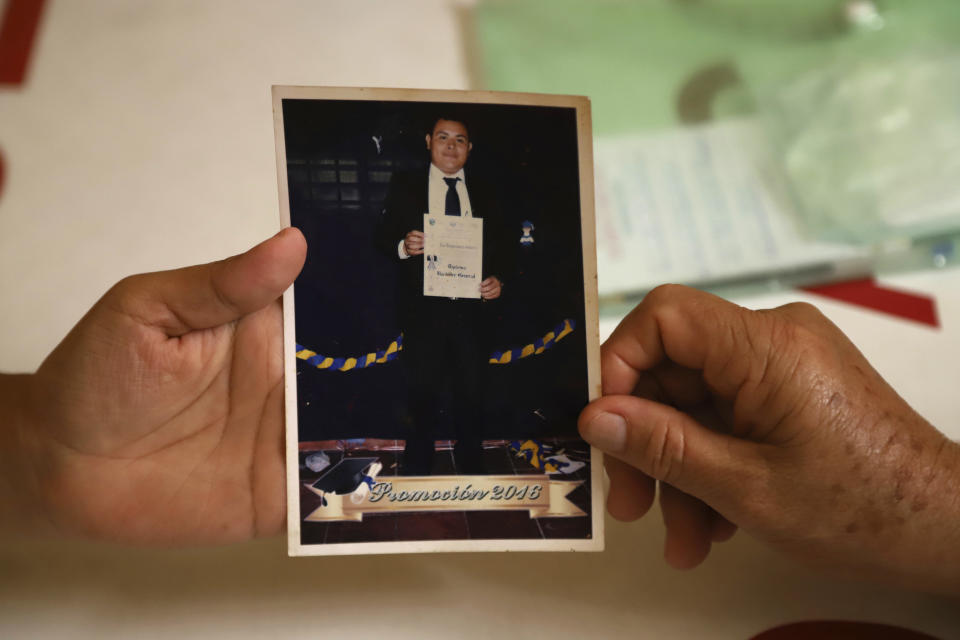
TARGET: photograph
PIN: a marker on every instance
(442, 337)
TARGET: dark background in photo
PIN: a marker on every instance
(340, 157)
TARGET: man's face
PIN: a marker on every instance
(449, 146)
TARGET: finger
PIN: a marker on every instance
(631, 491)
(692, 328)
(209, 295)
(414, 251)
(689, 525)
(669, 445)
(649, 387)
(808, 316)
(721, 529)
(681, 387)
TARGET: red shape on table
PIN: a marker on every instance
(867, 293)
(18, 29)
(840, 630)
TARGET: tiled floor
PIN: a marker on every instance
(449, 525)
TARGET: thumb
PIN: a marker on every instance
(670, 446)
(209, 295)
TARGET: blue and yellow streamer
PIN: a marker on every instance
(347, 364)
(331, 363)
(537, 347)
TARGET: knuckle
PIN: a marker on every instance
(665, 450)
(661, 302)
(789, 333)
(663, 295)
(802, 313)
(799, 307)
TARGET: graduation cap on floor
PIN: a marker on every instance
(345, 476)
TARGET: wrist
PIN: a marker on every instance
(939, 526)
(21, 511)
(928, 555)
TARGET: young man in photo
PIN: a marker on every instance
(445, 349)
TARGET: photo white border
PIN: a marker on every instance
(591, 330)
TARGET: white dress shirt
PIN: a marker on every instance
(437, 194)
(437, 198)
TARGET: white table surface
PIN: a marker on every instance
(143, 140)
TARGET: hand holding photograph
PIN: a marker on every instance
(442, 337)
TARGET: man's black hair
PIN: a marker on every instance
(452, 116)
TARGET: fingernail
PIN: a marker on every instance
(607, 431)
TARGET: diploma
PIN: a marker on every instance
(452, 256)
